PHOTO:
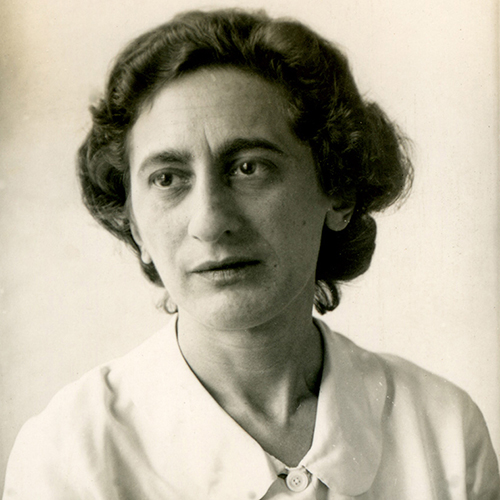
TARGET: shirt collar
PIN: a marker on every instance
(347, 445)
(213, 457)
(202, 451)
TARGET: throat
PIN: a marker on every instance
(287, 441)
(268, 382)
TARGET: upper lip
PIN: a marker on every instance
(215, 265)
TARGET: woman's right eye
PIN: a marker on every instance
(165, 180)
(162, 179)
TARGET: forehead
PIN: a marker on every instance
(211, 106)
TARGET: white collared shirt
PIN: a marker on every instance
(143, 427)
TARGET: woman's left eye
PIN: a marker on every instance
(248, 168)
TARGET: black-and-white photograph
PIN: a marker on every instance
(249, 250)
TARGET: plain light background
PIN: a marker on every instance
(72, 297)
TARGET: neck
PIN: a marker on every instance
(270, 370)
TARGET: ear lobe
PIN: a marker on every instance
(337, 219)
(145, 257)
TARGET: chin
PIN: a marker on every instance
(230, 314)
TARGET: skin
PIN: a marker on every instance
(226, 203)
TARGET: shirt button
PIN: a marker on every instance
(297, 480)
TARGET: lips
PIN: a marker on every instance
(230, 263)
(227, 272)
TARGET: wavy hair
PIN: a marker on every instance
(360, 156)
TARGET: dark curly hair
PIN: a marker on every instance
(360, 156)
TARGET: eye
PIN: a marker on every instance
(162, 179)
(167, 180)
(249, 168)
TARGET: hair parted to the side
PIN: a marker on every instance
(361, 157)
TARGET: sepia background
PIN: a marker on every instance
(71, 297)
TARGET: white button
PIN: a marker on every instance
(297, 480)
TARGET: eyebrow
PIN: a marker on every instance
(165, 157)
(227, 150)
(234, 146)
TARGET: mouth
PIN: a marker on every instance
(225, 265)
(227, 270)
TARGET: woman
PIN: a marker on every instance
(236, 157)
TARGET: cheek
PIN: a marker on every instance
(296, 226)
(156, 227)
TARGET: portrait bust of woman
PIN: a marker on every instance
(236, 157)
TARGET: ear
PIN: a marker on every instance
(145, 257)
(338, 216)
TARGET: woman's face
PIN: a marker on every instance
(225, 199)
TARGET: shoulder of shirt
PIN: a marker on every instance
(408, 381)
(86, 405)
(427, 407)
(57, 448)
(427, 388)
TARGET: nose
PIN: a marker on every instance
(214, 211)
